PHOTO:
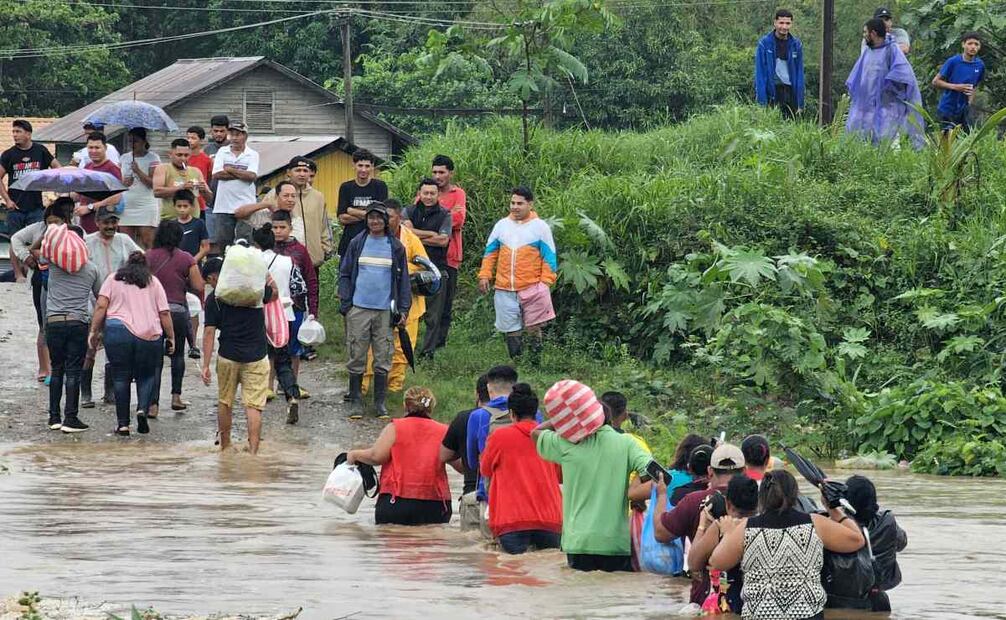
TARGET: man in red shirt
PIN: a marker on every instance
(97, 151)
(198, 158)
(452, 198)
(683, 519)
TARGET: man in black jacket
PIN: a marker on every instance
(375, 295)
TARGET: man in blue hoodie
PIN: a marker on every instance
(779, 79)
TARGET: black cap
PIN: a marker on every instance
(238, 126)
(105, 213)
(698, 460)
(378, 206)
(882, 12)
(300, 161)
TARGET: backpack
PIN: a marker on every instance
(850, 575)
(498, 418)
(298, 285)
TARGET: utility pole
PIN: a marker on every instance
(347, 79)
(826, 110)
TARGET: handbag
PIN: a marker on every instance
(277, 328)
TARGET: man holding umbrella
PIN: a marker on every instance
(375, 296)
(23, 208)
(97, 152)
(400, 361)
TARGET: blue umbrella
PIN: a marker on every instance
(132, 114)
(90, 183)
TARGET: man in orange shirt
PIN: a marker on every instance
(452, 198)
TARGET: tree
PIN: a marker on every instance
(54, 84)
(531, 50)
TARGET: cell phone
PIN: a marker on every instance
(654, 471)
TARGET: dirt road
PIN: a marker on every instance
(24, 401)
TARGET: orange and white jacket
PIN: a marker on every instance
(523, 254)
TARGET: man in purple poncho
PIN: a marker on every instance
(882, 86)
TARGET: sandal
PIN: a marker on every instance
(122, 431)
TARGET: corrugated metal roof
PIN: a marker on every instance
(37, 123)
(274, 154)
(165, 87)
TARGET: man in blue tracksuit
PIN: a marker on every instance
(779, 77)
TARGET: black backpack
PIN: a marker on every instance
(850, 575)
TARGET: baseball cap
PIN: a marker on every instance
(698, 460)
(727, 456)
(237, 126)
(300, 162)
(105, 213)
(882, 12)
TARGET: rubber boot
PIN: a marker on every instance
(534, 350)
(380, 393)
(86, 401)
(514, 346)
(355, 397)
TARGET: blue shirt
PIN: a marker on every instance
(479, 423)
(956, 70)
(373, 279)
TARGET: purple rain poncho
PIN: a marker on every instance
(881, 86)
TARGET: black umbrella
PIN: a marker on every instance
(90, 183)
(406, 342)
(832, 490)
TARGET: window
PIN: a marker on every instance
(258, 110)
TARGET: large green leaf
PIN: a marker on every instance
(616, 273)
(581, 270)
(751, 267)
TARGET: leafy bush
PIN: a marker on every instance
(906, 419)
(963, 455)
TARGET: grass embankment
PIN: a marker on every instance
(743, 274)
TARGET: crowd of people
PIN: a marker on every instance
(755, 545)
(156, 250)
(883, 90)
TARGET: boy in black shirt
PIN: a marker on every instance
(355, 195)
(243, 359)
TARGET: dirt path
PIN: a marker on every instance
(24, 401)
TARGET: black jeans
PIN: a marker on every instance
(67, 343)
(606, 563)
(434, 312)
(786, 100)
(451, 289)
(180, 323)
(518, 542)
(283, 365)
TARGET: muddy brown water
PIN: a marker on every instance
(188, 530)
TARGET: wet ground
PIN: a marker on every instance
(98, 523)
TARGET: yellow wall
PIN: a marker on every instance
(334, 168)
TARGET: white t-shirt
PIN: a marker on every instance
(83, 159)
(233, 193)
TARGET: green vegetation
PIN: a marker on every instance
(739, 273)
(29, 602)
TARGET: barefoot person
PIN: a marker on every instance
(243, 360)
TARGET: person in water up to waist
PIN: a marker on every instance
(413, 486)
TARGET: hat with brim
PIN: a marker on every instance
(377, 206)
(238, 126)
(727, 457)
(104, 213)
(882, 13)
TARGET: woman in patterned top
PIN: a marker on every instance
(782, 552)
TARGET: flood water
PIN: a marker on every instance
(187, 530)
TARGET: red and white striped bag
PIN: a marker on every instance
(277, 329)
(574, 410)
(63, 247)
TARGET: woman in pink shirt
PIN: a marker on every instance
(132, 317)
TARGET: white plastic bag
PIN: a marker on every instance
(195, 306)
(242, 277)
(344, 488)
(312, 333)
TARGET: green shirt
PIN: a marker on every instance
(595, 480)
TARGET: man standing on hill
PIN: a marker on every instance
(200, 160)
(959, 78)
(779, 79)
(432, 224)
(453, 199)
(219, 127)
(97, 160)
(898, 36)
(521, 252)
(355, 195)
(883, 90)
